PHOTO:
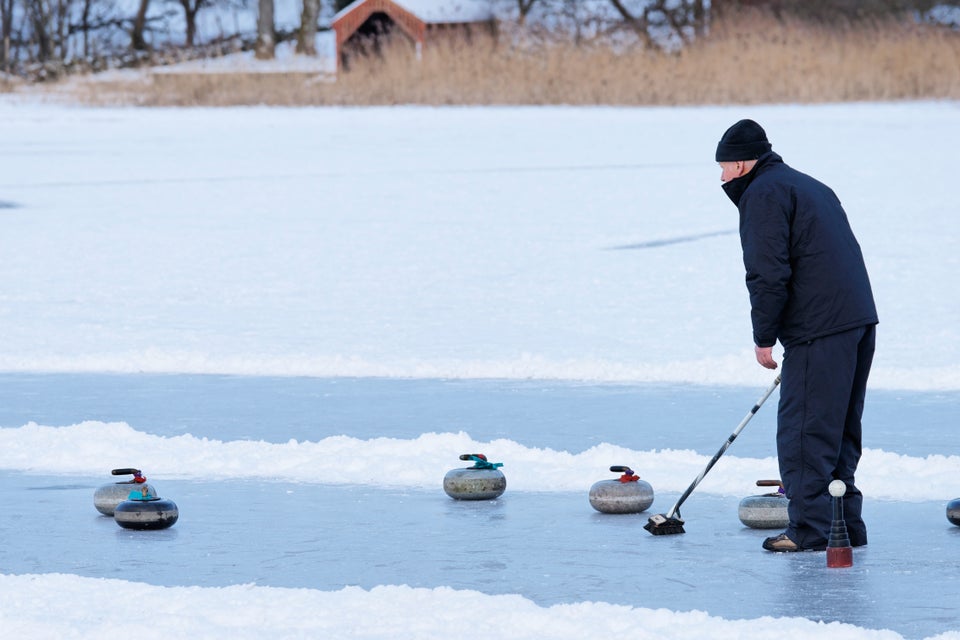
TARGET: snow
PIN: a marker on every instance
(570, 245)
(285, 60)
(439, 11)
(248, 611)
(80, 449)
(578, 244)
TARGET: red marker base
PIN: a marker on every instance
(839, 557)
(839, 551)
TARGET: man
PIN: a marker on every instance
(809, 289)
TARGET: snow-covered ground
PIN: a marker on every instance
(285, 60)
(571, 246)
(504, 243)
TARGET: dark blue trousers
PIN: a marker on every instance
(822, 389)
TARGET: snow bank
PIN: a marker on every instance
(90, 447)
(66, 607)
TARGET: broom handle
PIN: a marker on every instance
(726, 445)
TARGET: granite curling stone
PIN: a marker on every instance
(145, 510)
(482, 481)
(107, 497)
(626, 494)
(766, 511)
(953, 512)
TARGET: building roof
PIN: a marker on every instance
(438, 11)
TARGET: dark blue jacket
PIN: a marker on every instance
(805, 270)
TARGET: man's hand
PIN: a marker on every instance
(765, 357)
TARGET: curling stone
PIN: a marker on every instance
(107, 497)
(143, 509)
(482, 481)
(767, 511)
(626, 494)
(953, 511)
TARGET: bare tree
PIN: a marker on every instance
(266, 45)
(190, 10)
(524, 6)
(138, 40)
(6, 30)
(61, 24)
(41, 17)
(85, 25)
(639, 23)
(831, 11)
(700, 18)
(683, 20)
(306, 40)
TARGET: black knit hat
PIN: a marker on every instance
(746, 140)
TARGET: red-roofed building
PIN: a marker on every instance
(369, 21)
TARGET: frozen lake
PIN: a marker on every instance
(565, 416)
(549, 546)
(295, 321)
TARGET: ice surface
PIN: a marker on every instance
(551, 548)
(252, 516)
(561, 287)
(551, 436)
(560, 243)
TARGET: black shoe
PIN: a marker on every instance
(780, 544)
(783, 544)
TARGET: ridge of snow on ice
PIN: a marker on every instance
(90, 447)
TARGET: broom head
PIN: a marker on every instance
(661, 525)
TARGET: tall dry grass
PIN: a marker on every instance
(7, 83)
(752, 58)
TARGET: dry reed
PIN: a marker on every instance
(7, 83)
(751, 59)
